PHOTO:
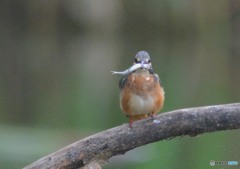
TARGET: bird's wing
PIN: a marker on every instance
(122, 81)
(157, 78)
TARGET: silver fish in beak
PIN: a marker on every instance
(134, 67)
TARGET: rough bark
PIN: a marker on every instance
(97, 149)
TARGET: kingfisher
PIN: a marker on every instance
(142, 94)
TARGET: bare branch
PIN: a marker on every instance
(98, 148)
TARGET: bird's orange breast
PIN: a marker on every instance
(142, 95)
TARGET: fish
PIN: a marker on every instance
(132, 69)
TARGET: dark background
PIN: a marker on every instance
(56, 86)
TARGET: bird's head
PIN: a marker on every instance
(143, 58)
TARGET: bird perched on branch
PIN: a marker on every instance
(142, 94)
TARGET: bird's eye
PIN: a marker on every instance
(137, 60)
(149, 61)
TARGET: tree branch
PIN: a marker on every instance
(98, 148)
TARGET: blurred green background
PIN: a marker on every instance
(56, 86)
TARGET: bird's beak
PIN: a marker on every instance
(142, 63)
